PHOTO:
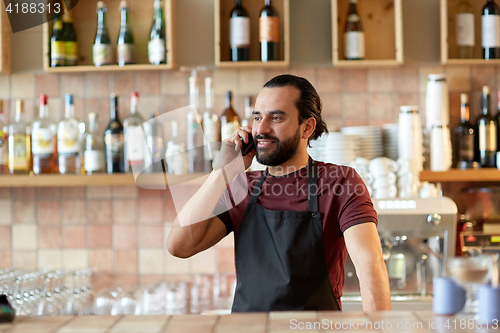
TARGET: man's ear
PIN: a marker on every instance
(309, 127)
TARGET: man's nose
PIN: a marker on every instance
(263, 127)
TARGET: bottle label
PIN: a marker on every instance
(228, 130)
(354, 45)
(42, 141)
(101, 54)
(67, 137)
(465, 30)
(135, 145)
(57, 51)
(269, 29)
(487, 137)
(114, 145)
(210, 135)
(490, 31)
(156, 51)
(94, 160)
(466, 148)
(71, 51)
(4, 157)
(239, 35)
(125, 53)
(19, 154)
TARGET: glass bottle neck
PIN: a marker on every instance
(238, 3)
(101, 19)
(70, 111)
(485, 104)
(267, 3)
(44, 111)
(464, 112)
(228, 102)
(124, 17)
(114, 110)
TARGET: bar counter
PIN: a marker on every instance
(274, 322)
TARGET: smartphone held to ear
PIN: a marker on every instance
(247, 147)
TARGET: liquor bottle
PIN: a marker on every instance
(134, 145)
(465, 30)
(125, 49)
(101, 50)
(157, 50)
(239, 33)
(19, 142)
(497, 119)
(247, 121)
(68, 143)
(490, 30)
(229, 119)
(57, 45)
(464, 136)
(487, 132)
(113, 140)
(4, 138)
(269, 33)
(194, 139)
(153, 131)
(70, 42)
(211, 125)
(43, 136)
(94, 147)
(175, 154)
(354, 37)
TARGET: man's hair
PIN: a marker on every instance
(308, 103)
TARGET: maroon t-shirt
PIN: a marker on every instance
(343, 201)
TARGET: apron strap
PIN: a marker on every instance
(256, 190)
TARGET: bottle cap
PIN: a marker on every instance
(464, 98)
(68, 98)
(92, 116)
(409, 108)
(486, 90)
(134, 94)
(436, 77)
(101, 5)
(123, 4)
(43, 99)
(112, 95)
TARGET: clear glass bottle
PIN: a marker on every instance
(94, 147)
(153, 131)
(134, 146)
(19, 142)
(157, 49)
(465, 30)
(248, 121)
(229, 120)
(101, 51)
(43, 136)
(211, 125)
(70, 42)
(269, 33)
(68, 143)
(194, 142)
(126, 48)
(354, 36)
(4, 143)
(175, 154)
(113, 140)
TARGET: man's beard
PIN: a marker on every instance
(283, 151)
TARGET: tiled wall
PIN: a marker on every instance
(122, 230)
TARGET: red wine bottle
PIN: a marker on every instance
(490, 30)
(269, 31)
(239, 33)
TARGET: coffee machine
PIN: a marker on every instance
(417, 237)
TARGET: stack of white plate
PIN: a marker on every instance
(371, 140)
(390, 139)
(336, 148)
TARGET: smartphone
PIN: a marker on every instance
(247, 147)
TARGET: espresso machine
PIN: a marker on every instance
(417, 236)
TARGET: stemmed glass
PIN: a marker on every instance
(469, 273)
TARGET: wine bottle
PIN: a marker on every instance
(247, 121)
(43, 136)
(269, 33)
(101, 50)
(68, 144)
(125, 49)
(94, 147)
(497, 120)
(354, 36)
(194, 143)
(70, 42)
(229, 119)
(153, 130)
(211, 126)
(134, 146)
(239, 33)
(57, 45)
(19, 142)
(464, 136)
(113, 140)
(4, 138)
(487, 132)
(465, 30)
(157, 50)
(490, 30)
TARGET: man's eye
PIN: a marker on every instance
(256, 118)
(276, 118)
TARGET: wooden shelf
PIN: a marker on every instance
(472, 62)
(222, 13)
(4, 41)
(156, 180)
(85, 24)
(383, 26)
(457, 175)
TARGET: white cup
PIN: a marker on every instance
(408, 191)
(384, 181)
(381, 166)
(385, 193)
(428, 190)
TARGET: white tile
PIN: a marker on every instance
(76, 259)
(225, 80)
(174, 265)
(24, 237)
(4, 86)
(151, 261)
(204, 262)
(23, 86)
(125, 192)
(5, 212)
(24, 260)
(251, 82)
(50, 259)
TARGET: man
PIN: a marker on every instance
(296, 220)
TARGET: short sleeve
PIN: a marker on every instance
(355, 203)
(222, 212)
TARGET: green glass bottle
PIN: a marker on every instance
(57, 46)
(70, 43)
(101, 50)
(125, 49)
(157, 43)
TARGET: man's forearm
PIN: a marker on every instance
(374, 285)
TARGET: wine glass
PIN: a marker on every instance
(469, 273)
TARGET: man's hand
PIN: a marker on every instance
(231, 149)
